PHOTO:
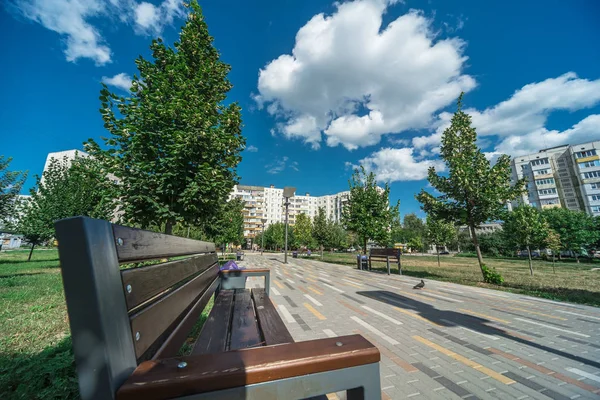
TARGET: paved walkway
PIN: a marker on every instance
(446, 341)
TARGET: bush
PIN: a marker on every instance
(466, 254)
(490, 275)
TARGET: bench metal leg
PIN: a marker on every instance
(361, 383)
(100, 328)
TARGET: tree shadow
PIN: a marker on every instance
(415, 274)
(449, 318)
(18, 275)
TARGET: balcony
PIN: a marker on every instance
(545, 176)
(590, 158)
(546, 206)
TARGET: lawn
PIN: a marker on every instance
(571, 282)
(36, 361)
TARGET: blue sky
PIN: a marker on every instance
(323, 86)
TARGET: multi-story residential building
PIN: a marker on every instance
(268, 203)
(551, 179)
(563, 176)
(587, 160)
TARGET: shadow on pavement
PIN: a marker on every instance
(449, 318)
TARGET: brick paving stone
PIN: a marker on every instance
(436, 314)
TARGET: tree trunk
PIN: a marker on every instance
(321, 252)
(530, 262)
(169, 226)
(31, 251)
(553, 270)
(438, 254)
(576, 257)
(365, 248)
(477, 249)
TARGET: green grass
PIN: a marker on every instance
(36, 359)
(571, 282)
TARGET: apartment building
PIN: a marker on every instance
(563, 176)
(268, 203)
(587, 161)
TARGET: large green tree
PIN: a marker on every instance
(11, 183)
(526, 227)
(337, 237)
(275, 236)
(67, 189)
(368, 212)
(303, 230)
(439, 233)
(174, 143)
(473, 191)
(227, 225)
(576, 229)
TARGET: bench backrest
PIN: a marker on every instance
(119, 314)
(383, 253)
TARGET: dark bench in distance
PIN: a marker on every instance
(128, 325)
(386, 255)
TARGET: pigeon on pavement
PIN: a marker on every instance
(419, 285)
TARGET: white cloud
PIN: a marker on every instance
(277, 165)
(71, 19)
(399, 165)
(355, 81)
(122, 81)
(252, 149)
(520, 121)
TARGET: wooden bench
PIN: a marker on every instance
(128, 325)
(386, 255)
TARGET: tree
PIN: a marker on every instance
(320, 230)
(337, 237)
(303, 230)
(575, 228)
(494, 244)
(174, 144)
(368, 212)
(228, 223)
(275, 235)
(552, 242)
(526, 227)
(473, 192)
(439, 233)
(11, 183)
(79, 189)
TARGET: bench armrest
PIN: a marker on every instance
(164, 379)
(236, 279)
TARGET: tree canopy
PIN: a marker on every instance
(473, 191)
(576, 229)
(368, 212)
(526, 227)
(439, 233)
(11, 183)
(303, 230)
(174, 143)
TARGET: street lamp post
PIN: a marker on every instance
(288, 192)
(262, 237)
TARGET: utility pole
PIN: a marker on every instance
(288, 192)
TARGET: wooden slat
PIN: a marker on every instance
(152, 321)
(162, 379)
(271, 325)
(173, 343)
(244, 327)
(215, 332)
(136, 244)
(141, 284)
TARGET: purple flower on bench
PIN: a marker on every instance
(230, 266)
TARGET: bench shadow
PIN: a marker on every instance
(449, 318)
(17, 275)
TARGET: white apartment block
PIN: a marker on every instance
(563, 176)
(268, 203)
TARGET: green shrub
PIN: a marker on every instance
(490, 275)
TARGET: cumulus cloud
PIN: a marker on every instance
(71, 19)
(392, 165)
(122, 81)
(520, 121)
(350, 80)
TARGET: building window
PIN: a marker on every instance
(595, 186)
(586, 153)
(543, 192)
(588, 164)
(542, 172)
(592, 174)
(596, 209)
(540, 162)
(595, 197)
(548, 181)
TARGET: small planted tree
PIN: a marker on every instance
(368, 212)
(320, 230)
(439, 233)
(552, 242)
(79, 189)
(174, 142)
(526, 227)
(303, 230)
(473, 191)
